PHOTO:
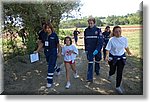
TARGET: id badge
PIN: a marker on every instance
(46, 43)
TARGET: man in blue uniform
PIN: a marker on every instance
(41, 34)
(93, 41)
(106, 36)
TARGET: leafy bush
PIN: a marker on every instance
(64, 33)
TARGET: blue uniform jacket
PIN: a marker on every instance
(41, 34)
(52, 43)
(93, 39)
(52, 39)
(106, 36)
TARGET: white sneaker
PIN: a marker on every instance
(49, 85)
(68, 85)
(119, 90)
(76, 75)
(58, 73)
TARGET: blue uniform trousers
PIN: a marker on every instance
(56, 68)
(90, 57)
(51, 57)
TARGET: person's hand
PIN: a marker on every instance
(130, 54)
(107, 58)
(86, 52)
(35, 52)
(95, 52)
(59, 54)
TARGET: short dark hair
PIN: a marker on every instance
(107, 27)
(69, 39)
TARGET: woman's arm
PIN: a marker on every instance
(107, 55)
(128, 51)
(40, 45)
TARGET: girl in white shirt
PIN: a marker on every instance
(69, 52)
(115, 55)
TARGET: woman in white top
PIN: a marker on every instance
(115, 55)
(69, 52)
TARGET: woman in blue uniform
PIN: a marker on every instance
(50, 42)
(115, 55)
(93, 41)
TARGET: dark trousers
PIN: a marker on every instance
(76, 38)
(90, 57)
(51, 57)
(119, 65)
(104, 52)
(56, 68)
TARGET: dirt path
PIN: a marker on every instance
(22, 77)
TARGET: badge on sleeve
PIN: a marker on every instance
(96, 32)
(46, 43)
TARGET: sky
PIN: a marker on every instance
(109, 7)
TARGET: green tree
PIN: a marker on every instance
(33, 14)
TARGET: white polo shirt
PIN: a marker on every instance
(116, 46)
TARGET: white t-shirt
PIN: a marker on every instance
(67, 56)
(117, 46)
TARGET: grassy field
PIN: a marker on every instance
(135, 42)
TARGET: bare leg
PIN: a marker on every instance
(67, 66)
(73, 67)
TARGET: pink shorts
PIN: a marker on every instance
(70, 62)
